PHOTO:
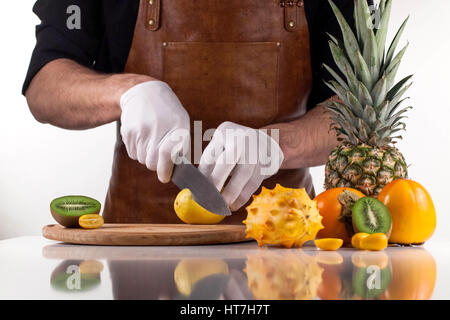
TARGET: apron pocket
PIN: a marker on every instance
(224, 81)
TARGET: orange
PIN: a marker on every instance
(330, 209)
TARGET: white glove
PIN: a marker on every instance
(155, 127)
(247, 155)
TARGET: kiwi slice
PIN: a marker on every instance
(68, 209)
(371, 216)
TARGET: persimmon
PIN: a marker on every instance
(330, 208)
(412, 211)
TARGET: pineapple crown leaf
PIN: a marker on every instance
(350, 43)
(337, 77)
(365, 98)
(384, 26)
(391, 51)
(394, 90)
(369, 112)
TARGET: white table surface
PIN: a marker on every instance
(36, 268)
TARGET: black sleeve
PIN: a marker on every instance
(321, 20)
(55, 40)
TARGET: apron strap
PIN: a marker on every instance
(153, 14)
(291, 12)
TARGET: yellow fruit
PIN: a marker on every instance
(329, 244)
(356, 239)
(282, 216)
(91, 221)
(191, 212)
(190, 271)
(283, 275)
(412, 211)
(374, 242)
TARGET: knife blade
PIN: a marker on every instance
(185, 175)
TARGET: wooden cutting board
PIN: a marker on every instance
(147, 234)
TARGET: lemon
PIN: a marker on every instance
(191, 212)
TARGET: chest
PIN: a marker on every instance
(219, 20)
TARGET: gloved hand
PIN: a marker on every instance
(247, 155)
(155, 127)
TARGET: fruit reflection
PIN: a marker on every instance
(329, 258)
(372, 274)
(286, 275)
(91, 267)
(331, 285)
(191, 274)
(396, 273)
(336, 277)
(364, 259)
(370, 282)
(414, 275)
(76, 275)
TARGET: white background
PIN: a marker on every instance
(39, 162)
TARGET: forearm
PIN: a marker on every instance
(68, 95)
(307, 141)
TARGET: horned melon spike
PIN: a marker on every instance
(282, 216)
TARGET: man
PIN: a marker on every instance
(158, 66)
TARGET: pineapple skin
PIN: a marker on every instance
(365, 168)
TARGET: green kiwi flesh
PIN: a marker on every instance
(371, 216)
(68, 209)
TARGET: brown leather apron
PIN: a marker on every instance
(243, 61)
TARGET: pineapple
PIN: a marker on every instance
(370, 109)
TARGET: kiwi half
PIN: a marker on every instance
(371, 216)
(68, 209)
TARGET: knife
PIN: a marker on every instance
(185, 175)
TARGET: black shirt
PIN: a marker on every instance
(107, 26)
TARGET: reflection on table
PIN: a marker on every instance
(245, 272)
